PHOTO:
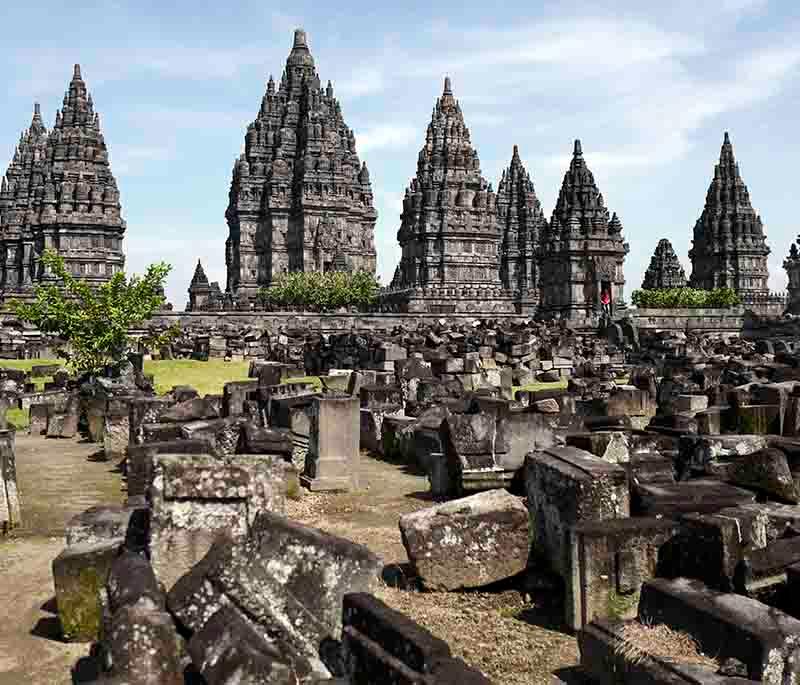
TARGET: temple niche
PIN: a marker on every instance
(729, 247)
(582, 251)
(449, 234)
(202, 294)
(522, 221)
(665, 270)
(300, 198)
(59, 193)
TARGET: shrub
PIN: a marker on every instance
(95, 321)
(682, 298)
(321, 291)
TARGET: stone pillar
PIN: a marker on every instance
(96, 417)
(116, 432)
(10, 514)
(332, 462)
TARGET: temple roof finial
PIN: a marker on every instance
(578, 152)
(300, 38)
(727, 138)
(448, 87)
(76, 74)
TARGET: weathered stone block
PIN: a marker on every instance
(10, 504)
(196, 498)
(333, 448)
(609, 561)
(726, 625)
(98, 524)
(80, 572)
(117, 428)
(38, 418)
(469, 542)
(291, 579)
(565, 486)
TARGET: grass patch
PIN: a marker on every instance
(18, 418)
(208, 378)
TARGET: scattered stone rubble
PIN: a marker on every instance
(658, 484)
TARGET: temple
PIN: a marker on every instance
(665, 270)
(202, 294)
(300, 198)
(522, 221)
(449, 234)
(729, 247)
(59, 193)
(581, 250)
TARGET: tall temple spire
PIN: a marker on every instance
(522, 221)
(729, 247)
(582, 249)
(300, 163)
(449, 235)
(65, 197)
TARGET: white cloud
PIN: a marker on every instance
(363, 81)
(385, 136)
(128, 160)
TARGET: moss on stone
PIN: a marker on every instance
(619, 606)
(79, 607)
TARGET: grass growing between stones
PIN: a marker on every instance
(18, 418)
(641, 641)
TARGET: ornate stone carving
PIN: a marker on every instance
(299, 169)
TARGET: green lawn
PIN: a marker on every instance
(205, 377)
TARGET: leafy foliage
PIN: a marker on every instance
(683, 298)
(95, 321)
(322, 291)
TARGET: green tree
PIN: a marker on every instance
(683, 298)
(95, 320)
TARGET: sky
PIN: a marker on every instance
(648, 87)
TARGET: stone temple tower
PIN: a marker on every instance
(449, 234)
(300, 197)
(59, 193)
(729, 247)
(582, 251)
(665, 270)
(522, 221)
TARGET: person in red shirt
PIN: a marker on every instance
(605, 300)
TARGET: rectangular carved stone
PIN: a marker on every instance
(565, 486)
(332, 461)
(195, 498)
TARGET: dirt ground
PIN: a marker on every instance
(57, 479)
(510, 641)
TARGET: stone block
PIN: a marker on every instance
(332, 461)
(229, 649)
(469, 542)
(289, 578)
(38, 418)
(10, 504)
(140, 460)
(80, 572)
(222, 434)
(117, 428)
(711, 546)
(727, 626)
(384, 646)
(195, 409)
(234, 395)
(609, 561)
(701, 495)
(144, 645)
(98, 524)
(691, 404)
(194, 499)
(146, 411)
(611, 446)
(604, 661)
(565, 486)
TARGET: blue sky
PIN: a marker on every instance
(649, 88)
